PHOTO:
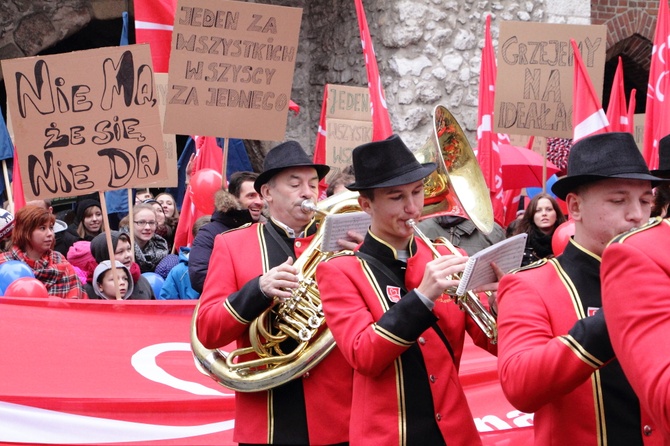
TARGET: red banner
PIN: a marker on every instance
(99, 371)
(94, 372)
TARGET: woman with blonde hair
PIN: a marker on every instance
(32, 243)
(150, 248)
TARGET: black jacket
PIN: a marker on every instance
(203, 243)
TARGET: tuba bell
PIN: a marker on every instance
(289, 338)
(457, 187)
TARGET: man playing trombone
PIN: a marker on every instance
(386, 309)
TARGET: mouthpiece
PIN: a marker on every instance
(308, 206)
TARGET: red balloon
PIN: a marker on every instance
(203, 185)
(562, 236)
(26, 287)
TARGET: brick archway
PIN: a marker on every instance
(630, 32)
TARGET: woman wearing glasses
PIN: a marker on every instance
(150, 248)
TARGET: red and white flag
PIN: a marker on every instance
(487, 151)
(617, 109)
(381, 122)
(208, 155)
(656, 122)
(154, 21)
(588, 117)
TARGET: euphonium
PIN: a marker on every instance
(298, 320)
(457, 187)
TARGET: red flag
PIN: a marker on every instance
(207, 155)
(487, 141)
(588, 117)
(17, 185)
(154, 20)
(656, 124)
(617, 109)
(511, 201)
(295, 108)
(381, 122)
(631, 110)
(320, 145)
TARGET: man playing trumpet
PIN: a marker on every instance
(386, 309)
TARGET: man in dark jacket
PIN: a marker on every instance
(240, 205)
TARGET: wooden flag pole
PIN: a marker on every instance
(224, 165)
(110, 246)
(8, 187)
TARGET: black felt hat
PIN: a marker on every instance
(386, 163)
(663, 170)
(286, 155)
(602, 156)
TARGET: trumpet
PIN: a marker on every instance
(468, 302)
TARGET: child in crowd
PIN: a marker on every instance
(177, 284)
(103, 281)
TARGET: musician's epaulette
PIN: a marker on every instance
(650, 224)
(246, 225)
(529, 266)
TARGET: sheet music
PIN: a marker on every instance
(337, 226)
(507, 254)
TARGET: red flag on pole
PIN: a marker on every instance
(17, 185)
(511, 201)
(320, 146)
(617, 109)
(154, 20)
(631, 110)
(588, 117)
(656, 123)
(487, 141)
(207, 155)
(381, 122)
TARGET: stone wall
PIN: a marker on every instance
(30, 26)
(428, 51)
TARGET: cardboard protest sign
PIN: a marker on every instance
(348, 124)
(231, 69)
(638, 120)
(169, 139)
(535, 75)
(85, 121)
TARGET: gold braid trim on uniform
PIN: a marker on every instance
(650, 224)
(535, 264)
(580, 352)
(234, 313)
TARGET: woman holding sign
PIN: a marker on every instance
(33, 240)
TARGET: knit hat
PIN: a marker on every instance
(6, 224)
(79, 255)
(82, 206)
(99, 245)
(164, 266)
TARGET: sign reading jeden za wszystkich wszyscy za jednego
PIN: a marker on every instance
(231, 69)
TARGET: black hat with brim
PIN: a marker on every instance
(600, 157)
(663, 170)
(386, 163)
(285, 156)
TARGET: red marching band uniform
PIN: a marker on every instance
(407, 389)
(231, 299)
(636, 283)
(555, 358)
